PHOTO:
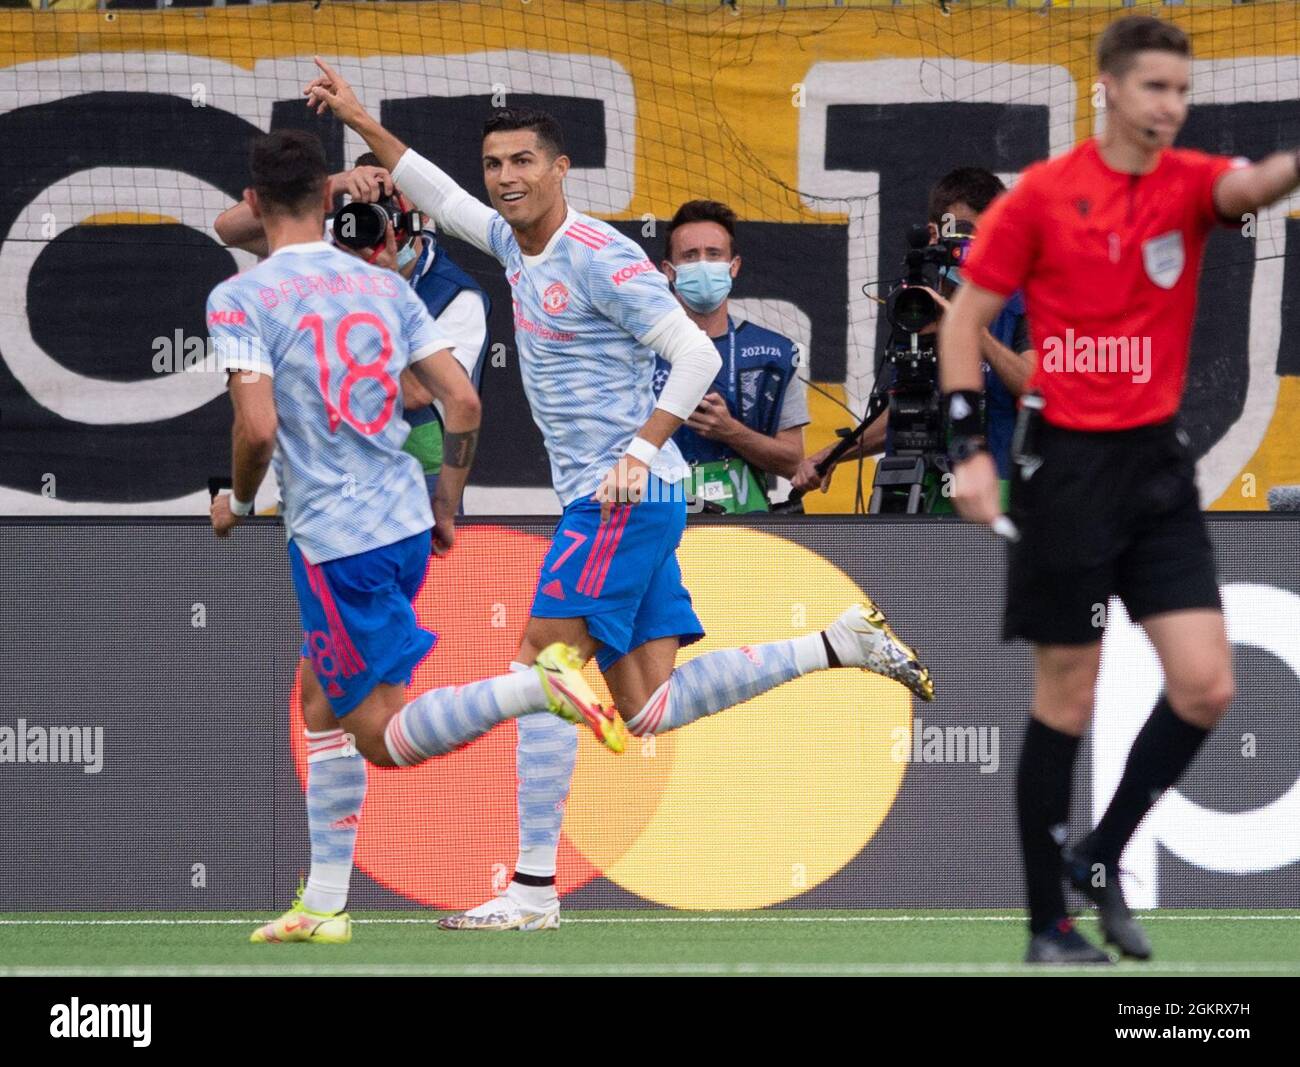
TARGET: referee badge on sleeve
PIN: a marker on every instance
(1163, 258)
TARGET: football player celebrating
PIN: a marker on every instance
(313, 341)
(591, 311)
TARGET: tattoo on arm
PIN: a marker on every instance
(458, 448)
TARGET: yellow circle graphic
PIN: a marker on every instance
(760, 802)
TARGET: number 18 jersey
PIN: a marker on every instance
(333, 334)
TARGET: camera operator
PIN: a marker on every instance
(458, 305)
(956, 203)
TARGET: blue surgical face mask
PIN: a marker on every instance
(703, 285)
(406, 254)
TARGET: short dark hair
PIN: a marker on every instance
(965, 185)
(701, 211)
(1123, 39)
(367, 159)
(288, 169)
(542, 123)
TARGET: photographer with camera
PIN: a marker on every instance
(380, 226)
(956, 203)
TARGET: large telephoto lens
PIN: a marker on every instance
(360, 226)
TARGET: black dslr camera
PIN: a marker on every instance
(362, 227)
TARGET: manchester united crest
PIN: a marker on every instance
(556, 298)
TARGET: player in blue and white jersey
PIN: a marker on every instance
(591, 312)
(457, 303)
(313, 341)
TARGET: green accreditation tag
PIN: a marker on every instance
(732, 484)
(425, 444)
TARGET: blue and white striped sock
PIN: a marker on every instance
(336, 789)
(441, 720)
(718, 680)
(544, 759)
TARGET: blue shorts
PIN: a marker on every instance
(621, 576)
(358, 625)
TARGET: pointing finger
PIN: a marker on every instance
(328, 70)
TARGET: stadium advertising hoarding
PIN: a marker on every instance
(133, 130)
(147, 758)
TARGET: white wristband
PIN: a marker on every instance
(239, 507)
(643, 450)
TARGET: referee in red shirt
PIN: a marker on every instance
(1106, 243)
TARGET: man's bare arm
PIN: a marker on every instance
(975, 495)
(239, 228)
(253, 434)
(776, 454)
(806, 478)
(659, 427)
(414, 394)
(871, 442)
(1014, 368)
(1247, 189)
(961, 332)
(446, 381)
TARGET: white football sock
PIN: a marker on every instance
(532, 896)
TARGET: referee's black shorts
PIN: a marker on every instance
(1106, 513)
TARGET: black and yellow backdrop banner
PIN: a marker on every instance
(125, 134)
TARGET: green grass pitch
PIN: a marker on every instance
(902, 943)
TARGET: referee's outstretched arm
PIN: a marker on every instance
(1248, 188)
(976, 494)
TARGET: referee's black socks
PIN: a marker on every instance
(1043, 783)
(1163, 749)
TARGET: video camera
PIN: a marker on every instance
(914, 409)
(911, 309)
(908, 480)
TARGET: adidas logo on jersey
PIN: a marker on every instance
(588, 235)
